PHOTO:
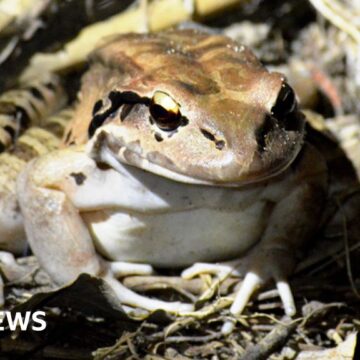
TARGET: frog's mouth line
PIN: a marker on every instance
(105, 148)
(108, 149)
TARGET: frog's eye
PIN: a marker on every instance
(165, 111)
(285, 103)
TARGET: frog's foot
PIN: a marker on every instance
(257, 268)
(121, 268)
(129, 297)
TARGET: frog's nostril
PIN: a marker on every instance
(208, 134)
(219, 144)
(158, 137)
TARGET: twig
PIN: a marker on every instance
(276, 338)
(193, 339)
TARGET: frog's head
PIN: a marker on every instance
(195, 108)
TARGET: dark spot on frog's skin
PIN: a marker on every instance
(98, 105)
(103, 166)
(125, 111)
(79, 178)
(117, 99)
(36, 93)
(184, 121)
(219, 144)
(50, 86)
(208, 135)
(158, 137)
(2, 147)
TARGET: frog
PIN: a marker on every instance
(184, 152)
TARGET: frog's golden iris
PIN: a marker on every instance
(165, 111)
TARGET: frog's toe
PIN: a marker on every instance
(251, 283)
(126, 296)
(220, 270)
(262, 266)
(121, 268)
(131, 298)
(286, 296)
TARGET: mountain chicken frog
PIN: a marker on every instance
(184, 152)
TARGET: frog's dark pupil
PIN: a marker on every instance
(285, 103)
(165, 119)
(50, 86)
(159, 113)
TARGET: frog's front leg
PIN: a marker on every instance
(291, 223)
(57, 234)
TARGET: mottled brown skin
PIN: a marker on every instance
(222, 89)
